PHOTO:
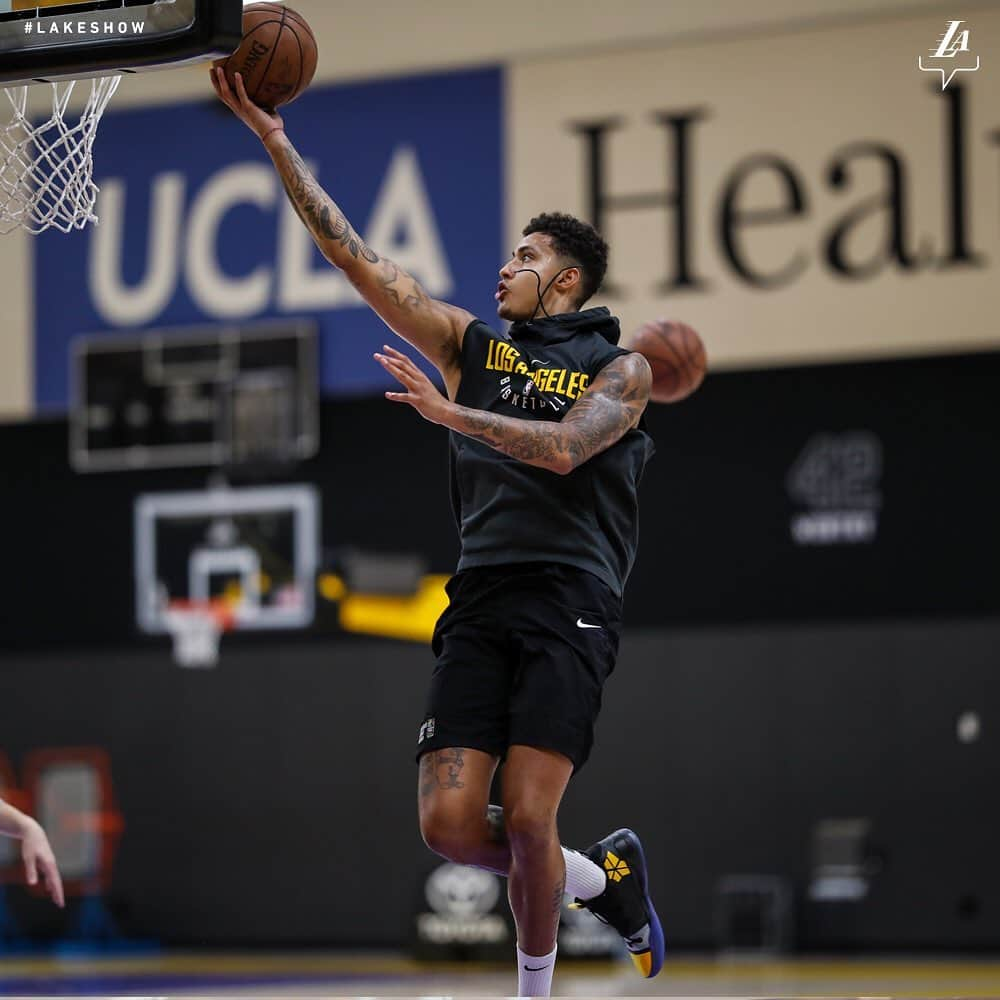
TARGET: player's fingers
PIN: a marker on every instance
(403, 359)
(241, 91)
(227, 95)
(396, 369)
(222, 87)
(407, 378)
(403, 376)
(30, 869)
(399, 397)
(392, 362)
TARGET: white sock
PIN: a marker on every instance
(534, 973)
(584, 879)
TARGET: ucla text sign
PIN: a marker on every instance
(195, 225)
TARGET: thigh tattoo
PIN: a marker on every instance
(441, 769)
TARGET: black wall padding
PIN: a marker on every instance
(273, 800)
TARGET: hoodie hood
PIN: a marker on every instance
(563, 326)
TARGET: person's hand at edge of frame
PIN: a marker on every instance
(36, 853)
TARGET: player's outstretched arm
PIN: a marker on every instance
(35, 850)
(609, 409)
(434, 328)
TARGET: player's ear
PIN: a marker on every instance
(569, 279)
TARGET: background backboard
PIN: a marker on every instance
(257, 548)
(226, 395)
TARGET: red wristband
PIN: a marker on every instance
(267, 135)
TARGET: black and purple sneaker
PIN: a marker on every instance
(625, 904)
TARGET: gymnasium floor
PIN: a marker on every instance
(371, 975)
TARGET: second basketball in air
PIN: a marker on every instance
(277, 57)
(676, 355)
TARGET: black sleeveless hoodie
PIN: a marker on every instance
(511, 512)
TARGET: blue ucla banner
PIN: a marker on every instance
(195, 226)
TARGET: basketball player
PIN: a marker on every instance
(547, 452)
(36, 853)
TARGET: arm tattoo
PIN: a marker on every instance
(320, 214)
(404, 292)
(441, 769)
(402, 288)
(430, 326)
(610, 407)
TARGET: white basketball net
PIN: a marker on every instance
(46, 169)
(195, 632)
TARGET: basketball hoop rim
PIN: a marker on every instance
(219, 610)
(74, 77)
(195, 627)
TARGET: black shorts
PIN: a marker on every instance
(523, 651)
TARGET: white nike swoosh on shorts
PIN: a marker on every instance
(580, 623)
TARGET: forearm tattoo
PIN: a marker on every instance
(441, 769)
(320, 214)
(334, 235)
(610, 407)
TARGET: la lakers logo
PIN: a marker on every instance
(953, 44)
(615, 867)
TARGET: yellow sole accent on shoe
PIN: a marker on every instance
(643, 962)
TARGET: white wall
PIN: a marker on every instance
(359, 40)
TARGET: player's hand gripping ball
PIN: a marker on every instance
(277, 57)
(676, 355)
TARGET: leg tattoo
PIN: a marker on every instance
(441, 769)
(557, 896)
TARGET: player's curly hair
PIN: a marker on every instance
(577, 240)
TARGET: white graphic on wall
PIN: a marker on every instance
(837, 479)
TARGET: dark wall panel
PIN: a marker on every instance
(717, 509)
(273, 799)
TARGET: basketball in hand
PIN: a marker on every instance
(277, 57)
(676, 355)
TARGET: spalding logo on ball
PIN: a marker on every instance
(675, 354)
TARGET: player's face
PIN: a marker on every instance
(531, 266)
